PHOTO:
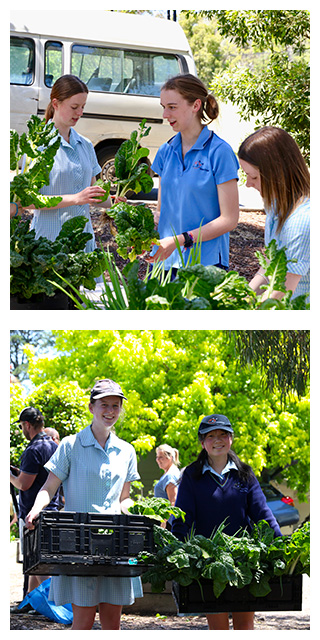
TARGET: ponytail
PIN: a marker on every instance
(211, 108)
(49, 112)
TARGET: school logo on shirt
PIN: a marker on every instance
(200, 165)
(241, 487)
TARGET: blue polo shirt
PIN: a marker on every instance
(170, 477)
(38, 452)
(189, 195)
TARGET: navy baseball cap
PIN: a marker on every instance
(104, 388)
(215, 421)
(30, 414)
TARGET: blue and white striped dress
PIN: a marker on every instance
(75, 165)
(295, 237)
(93, 479)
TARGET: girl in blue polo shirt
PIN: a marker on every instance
(216, 488)
(75, 166)
(275, 167)
(198, 193)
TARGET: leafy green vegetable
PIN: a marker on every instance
(104, 185)
(35, 264)
(131, 174)
(37, 149)
(195, 287)
(239, 560)
(135, 226)
(156, 508)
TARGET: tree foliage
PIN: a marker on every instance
(282, 356)
(18, 358)
(172, 379)
(275, 87)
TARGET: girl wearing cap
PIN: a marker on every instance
(167, 459)
(96, 469)
(274, 165)
(219, 487)
(198, 193)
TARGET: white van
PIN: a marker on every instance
(123, 58)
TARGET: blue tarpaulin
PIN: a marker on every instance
(38, 599)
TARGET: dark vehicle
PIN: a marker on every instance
(281, 506)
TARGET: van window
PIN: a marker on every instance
(53, 62)
(21, 61)
(122, 71)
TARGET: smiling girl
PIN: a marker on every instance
(96, 469)
(216, 488)
(198, 193)
(75, 166)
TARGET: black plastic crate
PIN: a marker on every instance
(285, 595)
(87, 544)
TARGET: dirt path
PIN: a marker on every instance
(287, 620)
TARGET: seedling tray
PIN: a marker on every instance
(285, 595)
(87, 544)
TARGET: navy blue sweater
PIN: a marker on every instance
(207, 502)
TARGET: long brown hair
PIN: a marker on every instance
(191, 89)
(65, 87)
(285, 178)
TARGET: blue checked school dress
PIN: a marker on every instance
(92, 479)
(75, 165)
(295, 238)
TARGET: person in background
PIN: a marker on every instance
(217, 488)
(274, 165)
(198, 192)
(104, 465)
(53, 433)
(168, 460)
(33, 474)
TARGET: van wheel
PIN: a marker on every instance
(106, 158)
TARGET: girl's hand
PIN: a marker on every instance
(30, 518)
(119, 199)
(166, 248)
(89, 195)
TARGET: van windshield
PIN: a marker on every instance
(123, 71)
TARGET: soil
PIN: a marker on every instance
(284, 620)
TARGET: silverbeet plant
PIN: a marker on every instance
(36, 150)
(134, 224)
(244, 559)
(196, 287)
(37, 265)
(156, 509)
